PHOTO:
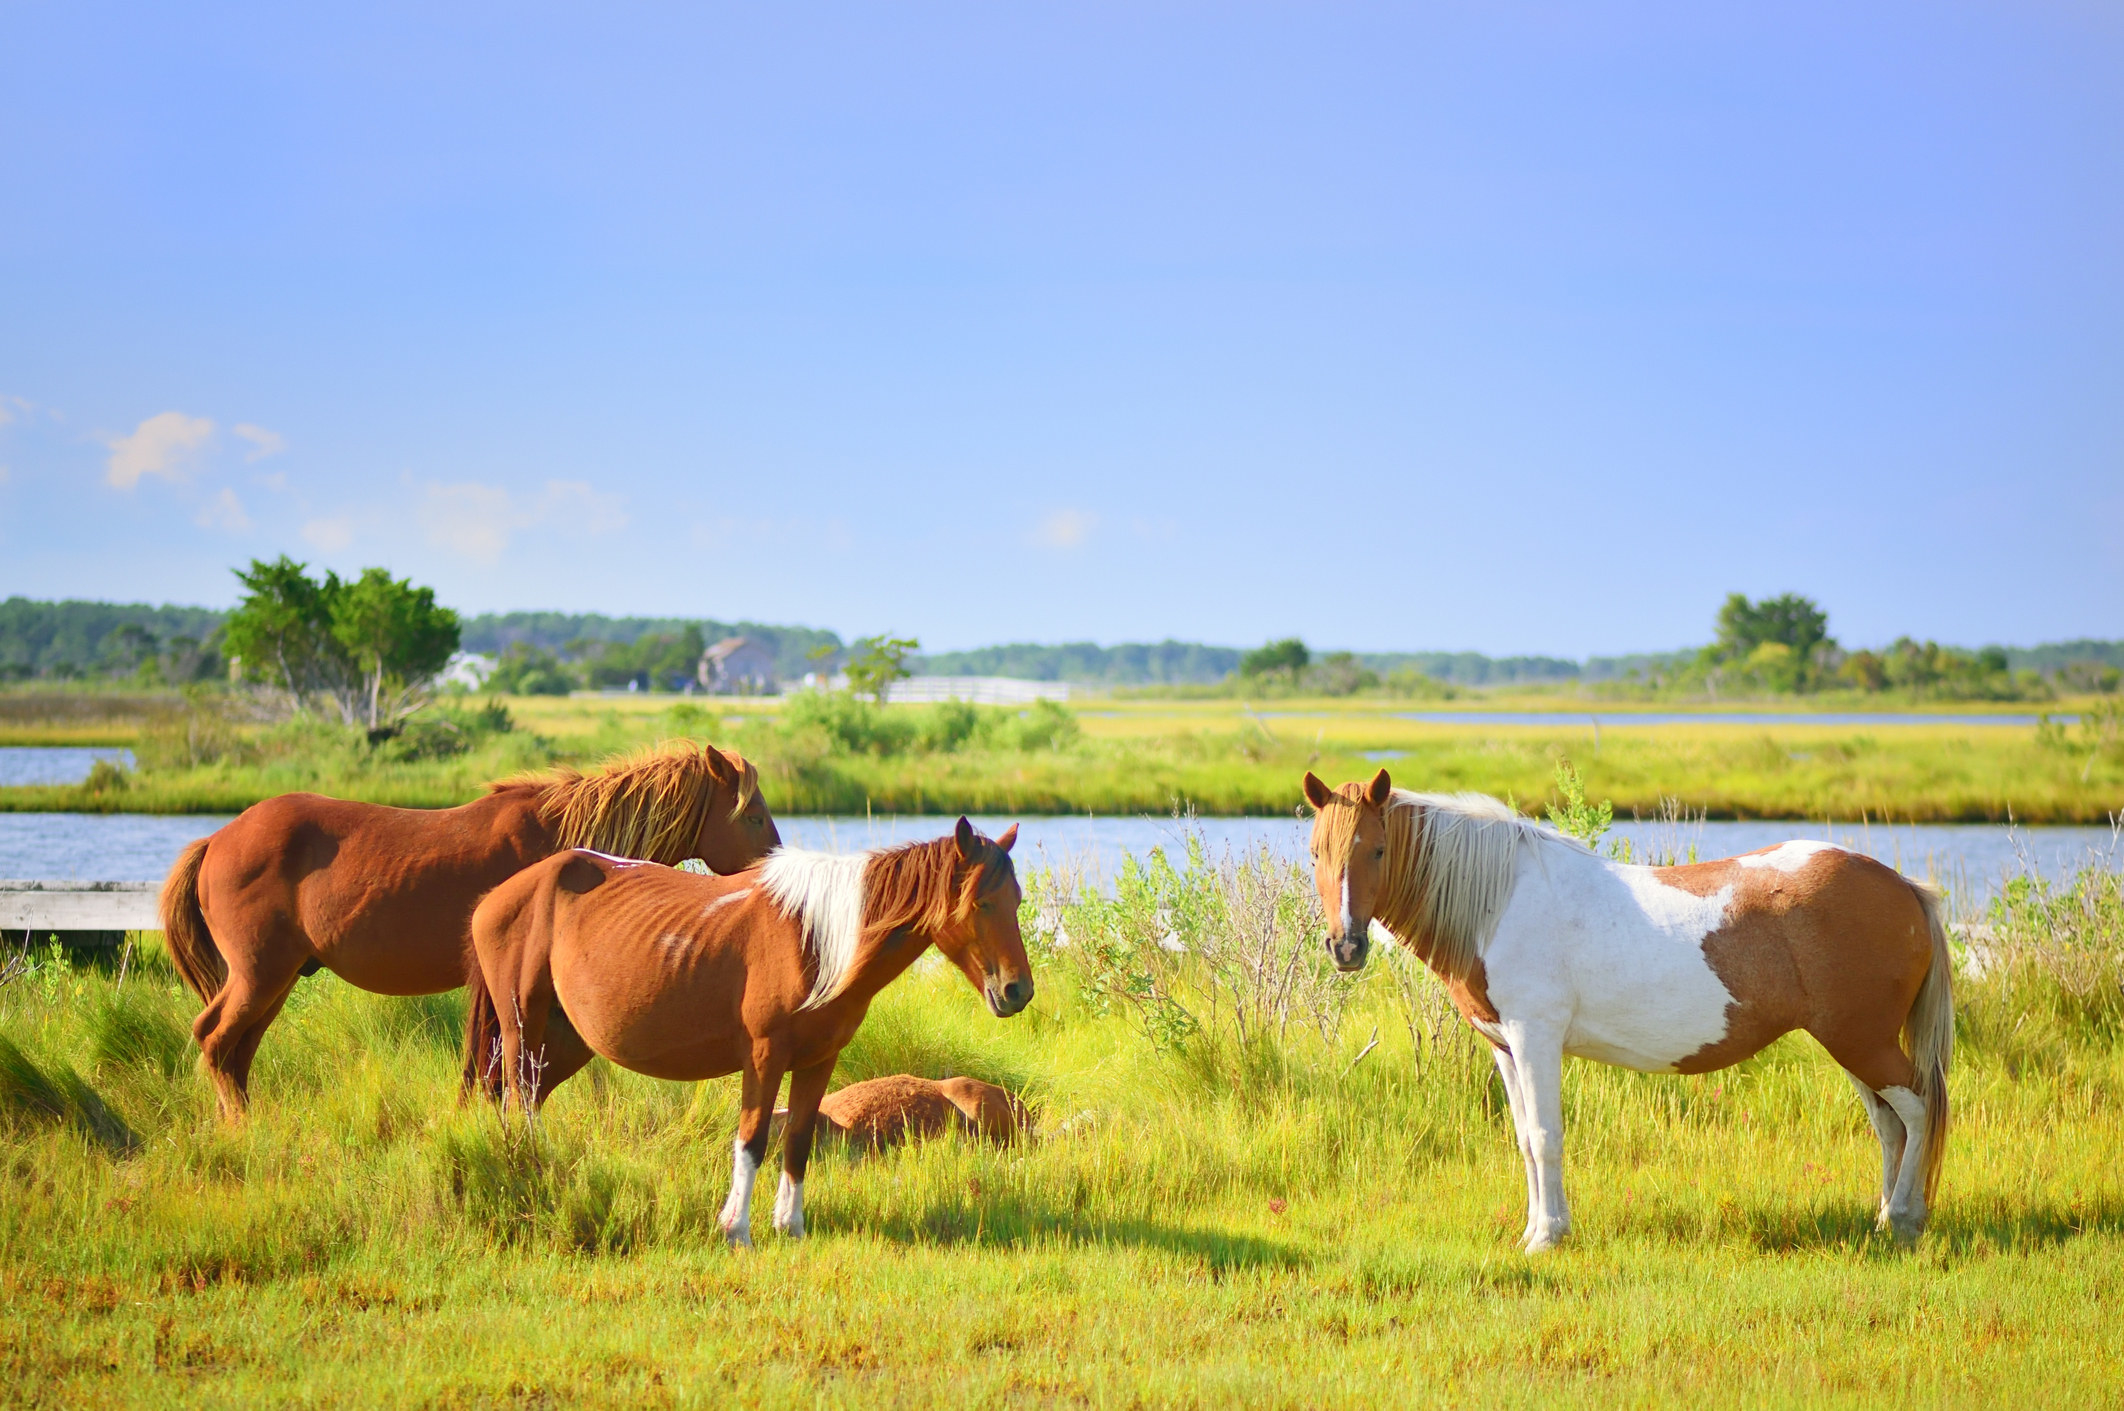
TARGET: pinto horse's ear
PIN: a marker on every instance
(1316, 793)
(1010, 836)
(1377, 792)
(963, 835)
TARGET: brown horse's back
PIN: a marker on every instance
(382, 896)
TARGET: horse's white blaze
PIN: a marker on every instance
(823, 891)
(722, 901)
(789, 1206)
(1348, 922)
(737, 1210)
(1611, 957)
(1787, 857)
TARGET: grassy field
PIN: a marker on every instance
(1217, 757)
(1235, 1205)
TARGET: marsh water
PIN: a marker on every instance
(1969, 859)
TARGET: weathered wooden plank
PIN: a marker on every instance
(79, 906)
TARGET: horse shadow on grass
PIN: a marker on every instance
(1012, 1223)
(1986, 1226)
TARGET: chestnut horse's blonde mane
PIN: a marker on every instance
(847, 902)
(1448, 870)
(652, 804)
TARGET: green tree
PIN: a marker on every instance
(395, 636)
(1791, 620)
(1287, 655)
(370, 647)
(877, 663)
(281, 633)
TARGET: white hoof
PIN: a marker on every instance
(1544, 1238)
(737, 1236)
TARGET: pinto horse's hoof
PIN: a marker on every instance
(737, 1237)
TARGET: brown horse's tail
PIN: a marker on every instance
(1929, 1030)
(482, 1034)
(184, 928)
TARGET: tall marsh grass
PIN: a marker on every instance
(1258, 1182)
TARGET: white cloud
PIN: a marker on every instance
(1065, 529)
(263, 442)
(329, 534)
(224, 512)
(272, 480)
(478, 521)
(158, 446)
(12, 407)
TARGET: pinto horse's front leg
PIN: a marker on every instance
(762, 1081)
(806, 1087)
(1537, 1058)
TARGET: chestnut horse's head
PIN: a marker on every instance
(981, 937)
(1349, 860)
(736, 828)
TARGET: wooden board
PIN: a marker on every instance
(79, 906)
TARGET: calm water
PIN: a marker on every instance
(1968, 858)
(1624, 721)
(53, 764)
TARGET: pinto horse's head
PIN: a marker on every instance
(1349, 860)
(736, 828)
(982, 937)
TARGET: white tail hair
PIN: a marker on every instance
(823, 893)
(1930, 1033)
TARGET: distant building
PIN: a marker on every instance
(981, 690)
(467, 669)
(738, 666)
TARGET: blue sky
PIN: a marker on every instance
(1514, 327)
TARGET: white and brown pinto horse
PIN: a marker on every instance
(765, 973)
(1548, 950)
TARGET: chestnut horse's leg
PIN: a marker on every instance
(807, 1086)
(229, 1028)
(563, 1055)
(762, 1081)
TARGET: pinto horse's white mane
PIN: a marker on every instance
(1451, 860)
(823, 893)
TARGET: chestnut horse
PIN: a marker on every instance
(1548, 949)
(764, 973)
(382, 896)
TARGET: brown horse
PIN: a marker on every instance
(382, 896)
(1548, 950)
(765, 973)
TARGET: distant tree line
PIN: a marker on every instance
(76, 640)
(551, 653)
(1166, 663)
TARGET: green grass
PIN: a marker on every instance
(1205, 1221)
(1218, 758)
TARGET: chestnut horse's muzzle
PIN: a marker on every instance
(1008, 999)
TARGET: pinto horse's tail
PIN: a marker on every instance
(482, 1034)
(1929, 1030)
(184, 928)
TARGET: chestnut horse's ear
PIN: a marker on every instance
(720, 769)
(1377, 792)
(1316, 793)
(964, 836)
(579, 874)
(1010, 836)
